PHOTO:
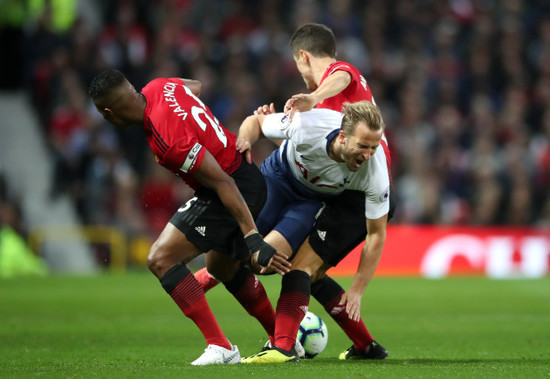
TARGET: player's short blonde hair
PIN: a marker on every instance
(361, 111)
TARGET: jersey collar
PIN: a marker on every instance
(330, 137)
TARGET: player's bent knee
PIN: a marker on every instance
(318, 275)
(157, 260)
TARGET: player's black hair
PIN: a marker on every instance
(105, 82)
(317, 39)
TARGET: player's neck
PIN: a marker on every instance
(138, 108)
(319, 66)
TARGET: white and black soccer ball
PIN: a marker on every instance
(313, 335)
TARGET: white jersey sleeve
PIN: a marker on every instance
(279, 126)
(376, 184)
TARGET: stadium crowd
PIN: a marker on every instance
(463, 85)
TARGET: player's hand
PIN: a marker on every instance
(243, 146)
(257, 269)
(301, 102)
(352, 301)
(265, 255)
(265, 109)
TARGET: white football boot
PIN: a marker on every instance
(215, 355)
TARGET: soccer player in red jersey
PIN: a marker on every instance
(188, 140)
(333, 82)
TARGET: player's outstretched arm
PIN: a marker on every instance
(332, 85)
(370, 255)
(250, 131)
(211, 175)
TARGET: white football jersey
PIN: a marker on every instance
(305, 150)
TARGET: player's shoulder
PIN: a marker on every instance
(318, 119)
(320, 114)
(154, 86)
(159, 83)
(155, 83)
(342, 66)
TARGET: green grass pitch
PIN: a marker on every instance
(123, 326)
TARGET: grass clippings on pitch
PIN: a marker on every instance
(127, 326)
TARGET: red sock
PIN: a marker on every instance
(187, 293)
(329, 293)
(250, 293)
(291, 307)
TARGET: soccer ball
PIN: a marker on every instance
(313, 335)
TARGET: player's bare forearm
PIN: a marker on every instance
(234, 202)
(211, 175)
(370, 255)
(367, 265)
(301, 102)
(332, 85)
(250, 129)
(372, 250)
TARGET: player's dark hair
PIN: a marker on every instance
(316, 39)
(361, 111)
(103, 83)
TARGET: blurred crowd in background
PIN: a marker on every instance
(463, 85)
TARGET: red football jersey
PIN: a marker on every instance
(180, 129)
(357, 90)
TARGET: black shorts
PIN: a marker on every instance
(206, 222)
(341, 226)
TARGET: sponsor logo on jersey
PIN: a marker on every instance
(201, 230)
(385, 195)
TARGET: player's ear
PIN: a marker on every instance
(342, 136)
(304, 55)
(108, 113)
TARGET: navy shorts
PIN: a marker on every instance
(289, 209)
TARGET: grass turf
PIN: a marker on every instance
(126, 326)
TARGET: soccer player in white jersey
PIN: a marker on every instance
(338, 159)
(333, 83)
